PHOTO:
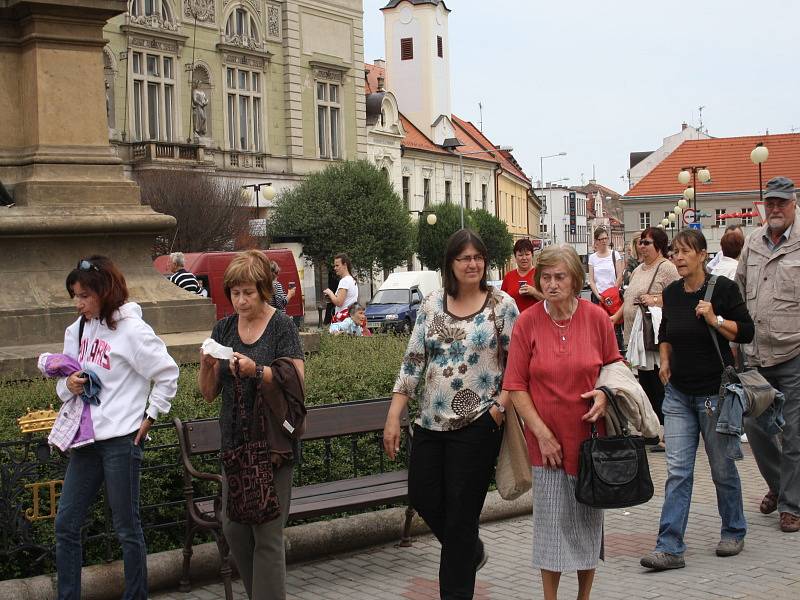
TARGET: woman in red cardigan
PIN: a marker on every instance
(557, 350)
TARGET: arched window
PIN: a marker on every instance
(152, 8)
(241, 24)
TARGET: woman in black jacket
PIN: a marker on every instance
(691, 371)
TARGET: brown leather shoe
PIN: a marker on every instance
(769, 504)
(789, 522)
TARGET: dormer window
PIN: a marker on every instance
(151, 8)
(241, 24)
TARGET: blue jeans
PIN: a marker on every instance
(116, 461)
(685, 418)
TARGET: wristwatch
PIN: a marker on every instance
(499, 406)
(720, 321)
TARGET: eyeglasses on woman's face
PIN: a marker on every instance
(602, 239)
(645, 242)
(465, 260)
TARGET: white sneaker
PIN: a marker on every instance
(744, 438)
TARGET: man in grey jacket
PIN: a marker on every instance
(769, 277)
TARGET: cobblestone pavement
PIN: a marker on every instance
(768, 568)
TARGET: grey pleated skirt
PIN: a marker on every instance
(567, 535)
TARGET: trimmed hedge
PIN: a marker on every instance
(344, 369)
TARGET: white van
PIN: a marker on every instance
(394, 305)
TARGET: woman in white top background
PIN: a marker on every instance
(731, 245)
(347, 291)
(606, 266)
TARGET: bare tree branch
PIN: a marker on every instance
(212, 212)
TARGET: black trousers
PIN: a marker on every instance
(652, 386)
(449, 476)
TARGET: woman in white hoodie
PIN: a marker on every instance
(111, 340)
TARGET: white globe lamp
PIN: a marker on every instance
(704, 175)
(759, 155)
(684, 177)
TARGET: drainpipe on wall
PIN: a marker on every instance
(497, 170)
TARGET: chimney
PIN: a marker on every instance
(683, 126)
(381, 81)
(379, 63)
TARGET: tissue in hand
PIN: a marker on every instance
(216, 349)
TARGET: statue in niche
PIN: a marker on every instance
(199, 103)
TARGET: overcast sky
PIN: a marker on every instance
(600, 79)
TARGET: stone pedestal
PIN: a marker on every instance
(72, 198)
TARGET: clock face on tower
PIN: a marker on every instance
(405, 15)
(439, 15)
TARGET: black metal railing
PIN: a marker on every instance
(31, 476)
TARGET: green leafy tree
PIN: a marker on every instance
(494, 233)
(349, 207)
(432, 239)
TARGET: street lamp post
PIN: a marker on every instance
(461, 156)
(759, 155)
(541, 181)
(269, 195)
(269, 192)
(693, 173)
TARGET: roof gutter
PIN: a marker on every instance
(661, 197)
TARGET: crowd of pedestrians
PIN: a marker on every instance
(474, 351)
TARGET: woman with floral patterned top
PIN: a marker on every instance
(454, 368)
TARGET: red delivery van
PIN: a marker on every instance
(209, 268)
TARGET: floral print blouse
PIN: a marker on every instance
(458, 360)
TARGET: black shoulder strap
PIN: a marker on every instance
(712, 282)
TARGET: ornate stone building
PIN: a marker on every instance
(259, 90)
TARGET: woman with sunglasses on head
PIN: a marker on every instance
(454, 368)
(267, 354)
(137, 380)
(648, 280)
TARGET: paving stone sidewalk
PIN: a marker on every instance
(768, 568)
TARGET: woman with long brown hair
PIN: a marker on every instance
(456, 353)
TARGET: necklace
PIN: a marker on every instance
(253, 323)
(562, 329)
(694, 291)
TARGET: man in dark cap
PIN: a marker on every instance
(769, 276)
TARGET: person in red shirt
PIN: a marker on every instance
(519, 283)
(557, 350)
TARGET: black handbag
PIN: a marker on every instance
(613, 471)
(249, 474)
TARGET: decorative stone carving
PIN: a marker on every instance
(202, 10)
(154, 44)
(153, 22)
(274, 21)
(328, 74)
(242, 41)
(246, 61)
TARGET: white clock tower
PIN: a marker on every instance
(418, 64)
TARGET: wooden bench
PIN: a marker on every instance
(201, 439)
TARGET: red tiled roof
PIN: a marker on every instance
(481, 142)
(728, 159)
(416, 139)
(469, 135)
